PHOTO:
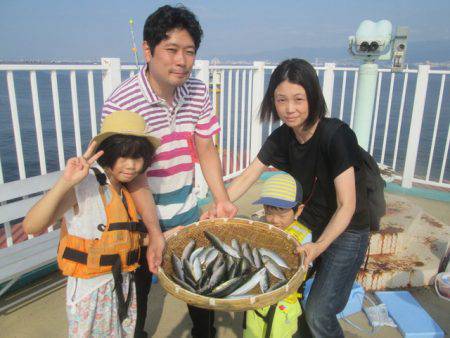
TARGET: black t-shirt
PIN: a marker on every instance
(313, 159)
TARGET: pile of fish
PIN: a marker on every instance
(224, 271)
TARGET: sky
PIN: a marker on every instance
(88, 30)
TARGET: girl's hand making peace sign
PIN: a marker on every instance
(77, 168)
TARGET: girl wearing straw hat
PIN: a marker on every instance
(101, 234)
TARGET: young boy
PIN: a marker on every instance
(281, 197)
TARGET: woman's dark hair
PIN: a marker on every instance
(301, 72)
(127, 146)
(166, 18)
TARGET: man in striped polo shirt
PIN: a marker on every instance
(177, 110)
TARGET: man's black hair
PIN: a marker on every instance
(166, 18)
(127, 146)
(300, 72)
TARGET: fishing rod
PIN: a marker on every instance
(133, 43)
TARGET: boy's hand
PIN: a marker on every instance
(77, 168)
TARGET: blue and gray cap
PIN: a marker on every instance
(281, 191)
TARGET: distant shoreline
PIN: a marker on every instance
(321, 63)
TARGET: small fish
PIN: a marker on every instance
(275, 257)
(226, 288)
(216, 278)
(221, 246)
(211, 256)
(257, 258)
(277, 285)
(209, 266)
(233, 270)
(215, 241)
(219, 261)
(207, 273)
(204, 280)
(273, 268)
(202, 255)
(247, 253)
(197, 269)
(195, 254)
(264, 282)
(190, 281)
(244, 266)
(204, 289)
(177, 267)
(183, 284)
(230, 251)
(218, 275)
(235, 245)
(188, 250)
(250, 284)
(229, 261)
(188, 272)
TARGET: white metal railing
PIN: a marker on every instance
(410, 130)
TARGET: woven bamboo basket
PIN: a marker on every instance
(255, 233)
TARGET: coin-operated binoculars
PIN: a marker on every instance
(373, 41)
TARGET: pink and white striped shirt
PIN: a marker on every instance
(171, 173)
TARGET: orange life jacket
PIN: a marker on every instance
(119, 244)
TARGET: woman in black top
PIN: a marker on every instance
(333, 184)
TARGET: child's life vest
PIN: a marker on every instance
(300, 232)
(120, 241)
(116, 251)
(275, 321)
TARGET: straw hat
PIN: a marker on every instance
(125, 122)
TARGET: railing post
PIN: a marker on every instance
(416, 125)
(257, 97)
(201, 187)
(111, 76)
(328, 84)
